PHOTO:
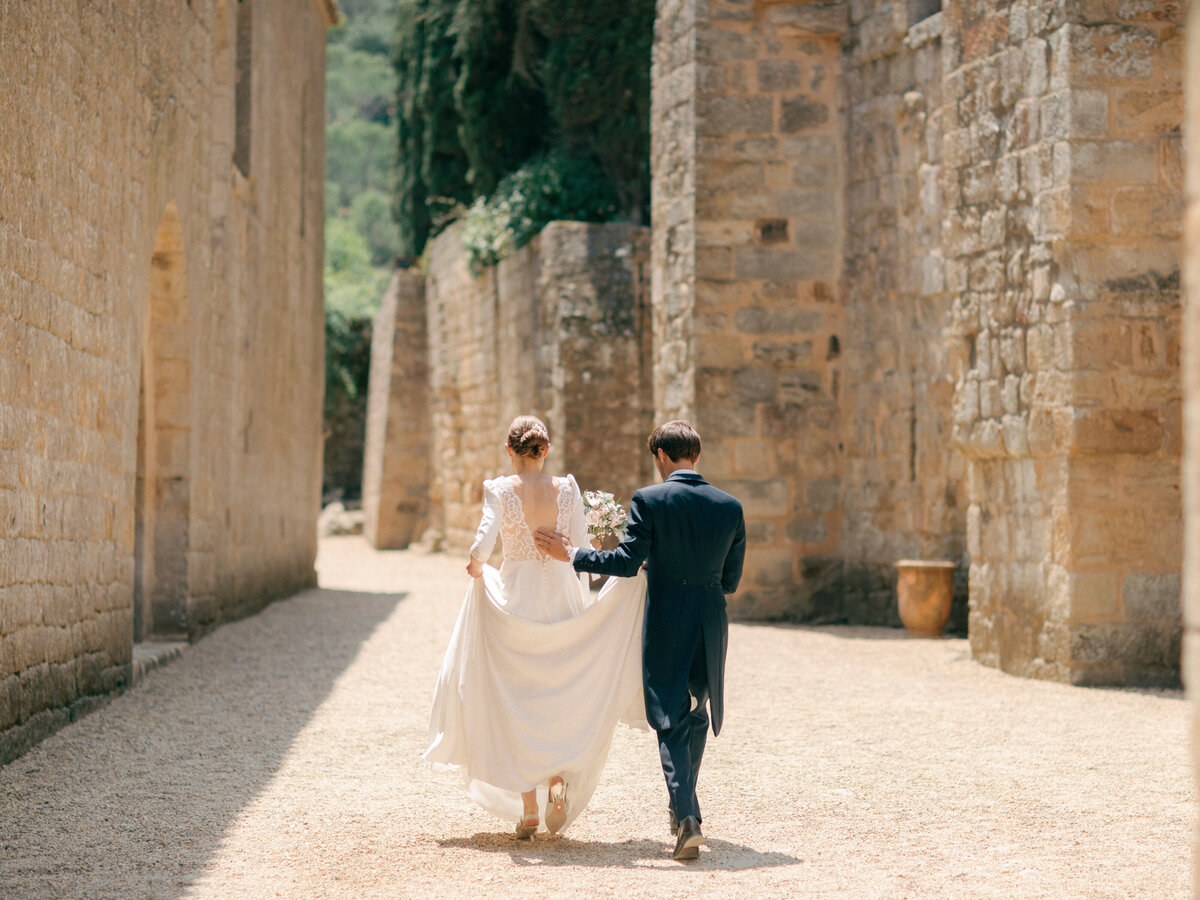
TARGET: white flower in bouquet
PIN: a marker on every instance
(603, 514)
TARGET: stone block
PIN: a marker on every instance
(720, 116)
(714, 262)
(811, 146)
(797, 386)
(1124, 162)
(775, 264)
(1102, 431)
(802, 113)
(777, 320)
(816, 174)
(711, 78)
(1142, 210)
(755, 458)
(750, 386)
(817, 17)
(1150, 597)
(769, 567)
(1113, 52)
(727, 176)
(1124, 644)
(783, 352)
(718, 351)
(1148, 110)
(778, 75)
(716, 43)
(1093, 597)
(725, 417)
(822, 494)
(820, 200)
(807, 530)
(1089, 114)
(761, 497)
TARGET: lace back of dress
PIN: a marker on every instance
(514, 530)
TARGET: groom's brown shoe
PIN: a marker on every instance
(687, 846)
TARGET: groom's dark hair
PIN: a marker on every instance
(678, 439)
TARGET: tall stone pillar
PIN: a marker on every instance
(1191, 392)
(396, 459)
(745, 261)
(1062, 181)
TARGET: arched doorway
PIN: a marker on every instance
(163, 491)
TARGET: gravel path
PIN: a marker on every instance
(279, 757)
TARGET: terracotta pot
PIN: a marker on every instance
(925, 589)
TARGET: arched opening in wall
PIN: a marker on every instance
(163, 489)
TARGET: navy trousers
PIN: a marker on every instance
(681, 748)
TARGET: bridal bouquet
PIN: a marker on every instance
(604, 515)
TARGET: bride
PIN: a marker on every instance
(537, 673)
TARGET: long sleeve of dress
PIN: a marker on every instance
(489, 524)
(578, 530)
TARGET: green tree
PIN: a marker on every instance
(352, 285)
(358, 157)
(529, 76)
(371, 216)
(595, 73)
(431, 169)
(358, 85)
(501, 111)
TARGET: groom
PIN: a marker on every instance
(693, 538)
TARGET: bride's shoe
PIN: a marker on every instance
(527, 827)
(556, 805)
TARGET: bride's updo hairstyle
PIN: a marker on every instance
(528, 436)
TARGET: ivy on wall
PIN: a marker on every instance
(503, 104)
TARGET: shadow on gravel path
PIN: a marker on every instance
(546, 850)
(133, 801)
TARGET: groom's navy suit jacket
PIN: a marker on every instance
(693, 538)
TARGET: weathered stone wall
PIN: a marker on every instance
(746, 257)
(903, 485)
(998, 206)
(1061, 179)
(1191, 392)
(160, 332)
(396, 461)
(554, 331)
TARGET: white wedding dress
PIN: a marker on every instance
(537, 674)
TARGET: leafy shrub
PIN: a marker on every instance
(551, 186)
(483, 86)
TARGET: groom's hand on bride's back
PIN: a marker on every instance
(554, 544)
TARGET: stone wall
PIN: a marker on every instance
(1191, 391)
(396, 462)
(746, 256)
(160, 332)
(904, 486)
(915, 279)
(554, 330)
(1061, 178)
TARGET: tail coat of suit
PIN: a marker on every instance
(692, 538)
